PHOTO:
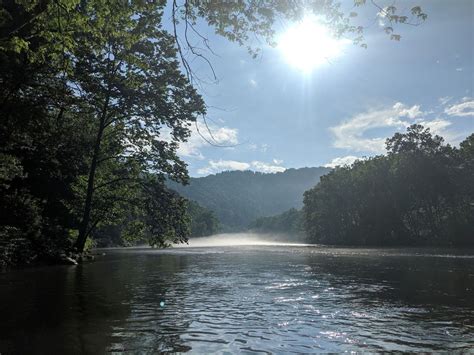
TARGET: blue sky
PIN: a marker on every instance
(275, 116)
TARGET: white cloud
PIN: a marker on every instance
(253, 83)
(223, 165)
(217, 135)
(459, 69)
(463, 109)
(342, 161)
(350, 134)
(410, 112)
(277, 161)
(191, 148)
(266, 168)
(222, 135)
(357, 134)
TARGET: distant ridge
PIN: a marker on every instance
(239, 197)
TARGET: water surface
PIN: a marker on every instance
(254, 298)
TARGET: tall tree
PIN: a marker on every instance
(420, 193)
(128, 78)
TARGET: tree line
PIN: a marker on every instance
(420, 193)
(286, 225)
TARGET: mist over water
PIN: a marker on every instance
(236, 239)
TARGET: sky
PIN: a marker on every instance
(269, 114)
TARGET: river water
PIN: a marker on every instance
(243, 298)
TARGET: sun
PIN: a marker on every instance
(309, 44)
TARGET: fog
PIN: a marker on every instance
(236, 239)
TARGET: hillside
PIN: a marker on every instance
(288, 223)
(240, 197)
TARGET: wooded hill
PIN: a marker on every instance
(240, 197)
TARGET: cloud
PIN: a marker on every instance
(350, 134)
(224, 165)
(277, 161)
(221, 165)
(266, 168)
(224, 136)
(342, 161)
(258, 147)
(463, 109)
(253, 83)
(445, 99)
(410, 112)
(359, 133)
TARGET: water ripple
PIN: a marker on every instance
(255, 299)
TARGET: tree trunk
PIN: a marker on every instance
(83, 228)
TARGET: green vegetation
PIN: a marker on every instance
(420, 193)
(87, 88)
(203, 222)
(288, 223)
(240, 197)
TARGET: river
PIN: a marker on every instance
(263, 297)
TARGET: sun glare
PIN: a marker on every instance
(308, 44)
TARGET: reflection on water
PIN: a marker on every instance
(243, 298)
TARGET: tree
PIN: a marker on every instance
(203, 222)
(109, 72)
(420, 193)
(288, 223)
(128, 78)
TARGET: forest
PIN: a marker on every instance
(286, 225)
(420, 193)
(238, 198)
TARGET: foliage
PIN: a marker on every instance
(203, 221)
(243, 21)
(240, 197)
(93, 101)
(289, 223)
(420, 193)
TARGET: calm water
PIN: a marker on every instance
(276, 299)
